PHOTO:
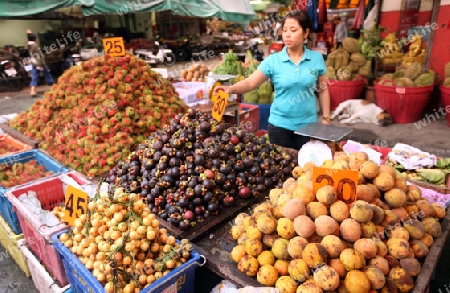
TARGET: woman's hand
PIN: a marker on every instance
(226, 89)
(326, 120)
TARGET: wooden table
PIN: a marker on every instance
(207, 108)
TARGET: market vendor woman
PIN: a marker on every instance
(296, 73)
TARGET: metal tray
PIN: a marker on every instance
(323, 131)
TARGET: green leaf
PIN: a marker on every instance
(433, 177)
(443, 163)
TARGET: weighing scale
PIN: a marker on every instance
(323, 131)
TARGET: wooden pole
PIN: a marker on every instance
(434, 17)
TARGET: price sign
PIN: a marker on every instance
(344, 181)
(220, 104)
(114, 46)
(75, 204)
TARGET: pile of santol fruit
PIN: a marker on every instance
(301, 241)
(347, 63)
(98, 111)
(411, 76)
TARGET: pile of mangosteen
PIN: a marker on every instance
(195, 166)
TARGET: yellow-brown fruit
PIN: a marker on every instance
(279, 248)
(447, 69)
(413, 71)
(340, 61)
(249, 221)
(364, 193)
(267, 275)
(304, 193)
(326, 194)
(439, 211)
(339, 211)
(369, 169)
(298, 270)
(425, 207)
(387, 76)
(389, 287)
(285, 228)
(340, 155)
(410, 207)
(424, 79)
(315, 238)
(262, 213)
(282, 265)
(248, 265)
(446, 81)
(366, 247)
(304, 226)
(432, 227)
(357, 282)
(381, 233)
(265, 206)
(367, 229)
(337, 265)
(392, 261)
(390, 219)
(401, 279)
(297, 172)
(379, 203)
(316, 209)
(309, 287)
(286, 284)
(361, 211)
(350, 230)
(415, 229)
(404, 82)
(314, 255)
(266, 258)
(351, 45)
(274, 194)
(333, 245)
(375, 191)
(381, 263)
(375, 276)
(400, 183)
(389, 169)
(378, 214)
(289, 185)
(352, 259)
(253, 246)
(411, 265)
(253, 232)
(361, 179)
(414, 193)
(239, 220)
(296, 245)
(237, 253)
(356, 159)
(384, 181)
(293, 208)
(268, 239)
(382, 249)
(395, 198)
(325, 225)
(354, 66)
(326, 278)
(419, 248)
(401, 213)
(277, 212)
(284, 198)
(427, 240)
(237, 231)
(267, 224)
(398, 248)
(241, 240)
(340, 165)
(399, 232)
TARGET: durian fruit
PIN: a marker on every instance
(351, 45)
(365, 70)
(424, 79)
(447, 81)
(447, 70)
(331, 72)
(358, 58)
(330, 60)
(387, 76)
(403, 82)
(354, 66)
(398, 73)
(387, 82)
(432, 72)
(413, 71)
(344, 73)
(341, 60)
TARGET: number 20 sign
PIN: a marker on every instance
(344, 181)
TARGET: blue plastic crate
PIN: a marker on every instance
(264, 112)
(50, 164)
(181, 279)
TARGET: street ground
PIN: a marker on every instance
(432, 136)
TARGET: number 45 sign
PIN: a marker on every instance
(75, 204)
(114, 46)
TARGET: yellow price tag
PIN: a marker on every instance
(75, 204)
(114, 46)
(344, 181)
(220, 104)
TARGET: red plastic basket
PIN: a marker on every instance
(405, 104)
(14, 143)
(445, 97)
(38, 236)
(343, 90)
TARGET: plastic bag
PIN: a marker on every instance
(227, 287)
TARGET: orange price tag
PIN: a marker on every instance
(75, 204)
(344, 181)
(114, 46)
(220, 104)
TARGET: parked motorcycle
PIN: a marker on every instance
(159, 55)
(12, 71)
(189, 51)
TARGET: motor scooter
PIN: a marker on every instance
(189, 51)
(159, 55)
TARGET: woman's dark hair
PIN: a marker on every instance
(301, 17)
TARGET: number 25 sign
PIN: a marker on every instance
(114, 46)
(344, 181)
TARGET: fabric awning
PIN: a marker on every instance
(14, 8)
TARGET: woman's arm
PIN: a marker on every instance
(246, 85)
(324, 98)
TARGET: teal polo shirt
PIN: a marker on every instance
(294, 103)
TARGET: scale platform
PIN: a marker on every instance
(323, 131)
